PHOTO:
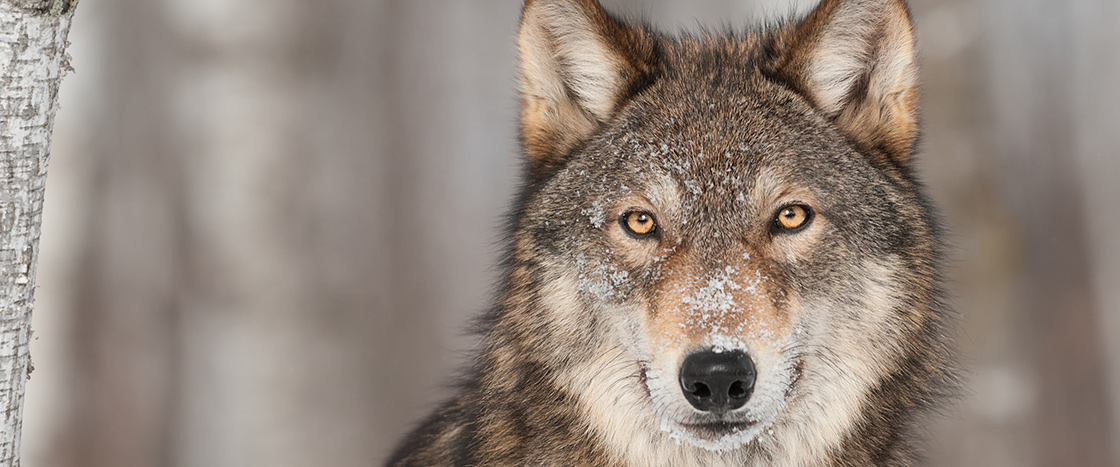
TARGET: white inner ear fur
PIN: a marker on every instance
(563, 47)
(863, 37)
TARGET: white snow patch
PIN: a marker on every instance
(595, 214)
(721, 343)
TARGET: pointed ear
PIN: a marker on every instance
(578, 65)
(857, 63)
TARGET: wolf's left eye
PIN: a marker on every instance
(639, 223)
(793, 218)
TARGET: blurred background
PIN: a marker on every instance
(268, 222)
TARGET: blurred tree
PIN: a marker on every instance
(33, 55)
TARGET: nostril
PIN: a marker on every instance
(736, 390)
(702, 391)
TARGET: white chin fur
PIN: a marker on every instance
(728, 442)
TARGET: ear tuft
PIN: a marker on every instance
(578, 64)
(856, 60)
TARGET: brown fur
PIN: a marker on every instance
(556, 113)
(876, 107)
(712, 136)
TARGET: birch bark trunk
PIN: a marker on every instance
(32, 62)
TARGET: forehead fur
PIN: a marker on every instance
(712, 120)
(720, 92)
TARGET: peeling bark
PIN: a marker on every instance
(32, 63)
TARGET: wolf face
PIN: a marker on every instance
(721, 255)
(735, 195)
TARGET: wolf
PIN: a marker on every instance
(721, 254)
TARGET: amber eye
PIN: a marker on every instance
(639, 223)
(793, 217)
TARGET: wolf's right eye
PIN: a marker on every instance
(639, 223)
(793, 218)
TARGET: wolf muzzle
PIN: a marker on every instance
(718, 382)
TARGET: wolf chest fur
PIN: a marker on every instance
(720, 256)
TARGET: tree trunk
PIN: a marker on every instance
(33, 60)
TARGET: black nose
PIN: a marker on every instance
(717, 382)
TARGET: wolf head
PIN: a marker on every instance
(721, 243)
